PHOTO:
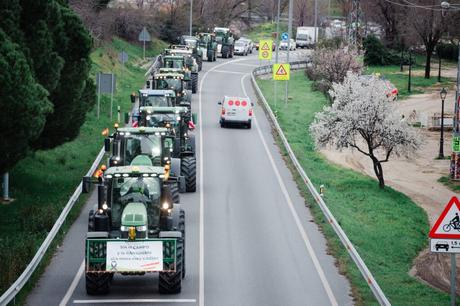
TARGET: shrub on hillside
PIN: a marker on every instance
(447, 51)
(376, 54)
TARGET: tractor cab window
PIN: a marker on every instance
(190, 42)
(149, 145)
(173, 63)
(145, 190)
(156, 101)
(170, 83)
(160, 120)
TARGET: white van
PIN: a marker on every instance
(236, 110)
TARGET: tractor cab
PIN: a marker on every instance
(157, 98)
(173, 81)
(174, 61)
(208, 46)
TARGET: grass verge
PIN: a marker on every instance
(43, 182)
(452, 185)
(386, 227)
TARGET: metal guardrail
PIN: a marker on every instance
(14, 289)
(376, 290)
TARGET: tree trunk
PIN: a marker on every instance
(379, 172)
(429, 52)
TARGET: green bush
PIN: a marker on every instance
(376, 54)
(331, 43)
(447, 51)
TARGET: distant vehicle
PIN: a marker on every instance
(241, 47)
(442, 245)
(236, 110)
(305, 37)
(273, 46)
(249, 42)
(284, 45)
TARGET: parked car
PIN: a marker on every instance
(241, 47)
(284, 45)
(249, 42)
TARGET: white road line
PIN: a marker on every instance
(296, 217)
(226, 71)
(134, 301)
(249, 65)
(73, 285)
(200, 119)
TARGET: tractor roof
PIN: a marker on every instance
(142, 130)
(157, 92)
(171, 56)
(134, 171)
(220, 29)
(163, 110)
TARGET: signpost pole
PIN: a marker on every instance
(453, 277)
(6, 196)
(98, 94)
(111, 98)
(144, 49)
(288, 48)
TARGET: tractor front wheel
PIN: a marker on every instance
(182, 230)
(188, 170)
(175, 192)
(194, 82)
(171, 282)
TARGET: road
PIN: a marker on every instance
(250, 238)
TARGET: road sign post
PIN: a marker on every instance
(106, 83)
(445, 238)
(144, 36)
(265, 49)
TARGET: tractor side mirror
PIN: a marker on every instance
(126, 118)
(219, 102)
(147, 84)
(86, 184)
(100, 196)
(107, 144)
(194, 118)
(133, 97)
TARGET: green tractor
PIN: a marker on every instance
(192, 43)
(208, 45)
(146, 145)
(184, 64)
(173, 81)
(225, 42)
(136, 229)
(179, 121)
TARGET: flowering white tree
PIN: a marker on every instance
(362, 117)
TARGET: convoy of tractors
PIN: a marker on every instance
(139, 226)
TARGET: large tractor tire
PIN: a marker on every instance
(225, 51)
(214, 57)
(192, 143)
(230, 52)
(210, 56)
(171, 282)
(194, 83)
(188, 170)
(175, 192)
(182, 230)
(98, 283)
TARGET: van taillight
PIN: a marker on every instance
(250, 112)
(223, 111)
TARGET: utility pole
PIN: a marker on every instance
(191, 16)
(316, 21)
(288, 47)
(277, 49)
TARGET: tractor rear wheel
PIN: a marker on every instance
(188, 170)
(171, 282)
(194, 82)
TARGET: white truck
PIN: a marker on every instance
(305, 37)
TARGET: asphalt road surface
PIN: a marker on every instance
(250, 238)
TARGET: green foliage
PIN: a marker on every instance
(331, 43)
(447, 51)
(24, 105)
(56, 48)
(264, 31)
(372, 218)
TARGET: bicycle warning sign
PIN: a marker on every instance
(448, 224)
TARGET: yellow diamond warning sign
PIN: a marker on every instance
(281, 72)
(265, 49)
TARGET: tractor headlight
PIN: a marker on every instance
(124, 228)
(165, 205)
(141, 228)
(104, 206)
(148, 117)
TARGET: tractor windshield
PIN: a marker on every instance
(174, 63)
(160, 120)
(156, 101)
(136, 145)
(190, 42)
(170, 83)
(145, 190)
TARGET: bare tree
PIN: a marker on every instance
(363, 118)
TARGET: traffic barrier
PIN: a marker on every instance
(367, 275)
